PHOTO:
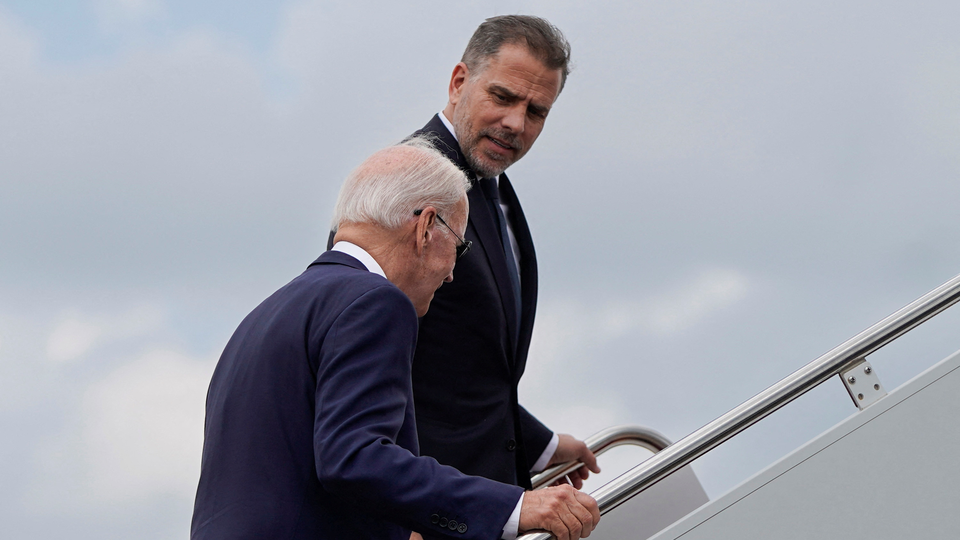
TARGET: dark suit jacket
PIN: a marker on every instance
(472, 349)
(310, 428)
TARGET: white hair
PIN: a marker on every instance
(391, 184)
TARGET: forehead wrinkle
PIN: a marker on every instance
(503, 89)
(462, 210)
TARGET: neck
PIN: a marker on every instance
(384, 245)
(448, 112)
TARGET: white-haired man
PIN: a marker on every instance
(310, 429)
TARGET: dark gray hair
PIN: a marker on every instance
(392, 183)
(544, 41)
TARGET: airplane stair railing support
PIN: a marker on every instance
(603, 441)
(850, 353)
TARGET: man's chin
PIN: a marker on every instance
(421, 311)
(488, 168)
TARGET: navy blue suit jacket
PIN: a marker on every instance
(472, 350)
(310, 429)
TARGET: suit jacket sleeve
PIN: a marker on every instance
(364, 403)
(536, 436)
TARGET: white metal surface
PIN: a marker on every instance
(889, 472)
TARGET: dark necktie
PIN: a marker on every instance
(492, 193)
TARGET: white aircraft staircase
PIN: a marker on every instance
(890, 471)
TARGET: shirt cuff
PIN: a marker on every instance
(512, 527)
(547, 454)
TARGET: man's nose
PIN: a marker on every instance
(514, 119)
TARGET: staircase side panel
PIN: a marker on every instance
(891, 471)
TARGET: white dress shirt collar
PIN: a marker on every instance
(449, 126)
(359, 254)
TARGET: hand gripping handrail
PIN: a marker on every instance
(692, 446)
(602, 441)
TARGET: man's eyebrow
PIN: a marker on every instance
(539, 109)
(509, 94)
(503, 90)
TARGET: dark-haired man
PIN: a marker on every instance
(472, 345)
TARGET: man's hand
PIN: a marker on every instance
(570, 449)
(414, 535)
(561, 510)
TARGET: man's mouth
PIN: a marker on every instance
(500, 143)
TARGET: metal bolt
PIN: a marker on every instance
(851, 379)
(867, 370)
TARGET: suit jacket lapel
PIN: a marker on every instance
(528, 268)
(484, 226)
(488, 234)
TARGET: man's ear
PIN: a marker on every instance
(457, 79)
(426, 222)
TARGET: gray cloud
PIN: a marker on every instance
(721, 194)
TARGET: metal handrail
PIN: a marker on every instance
(602, 441)
(763, 404)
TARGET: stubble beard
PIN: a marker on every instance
(482, 164)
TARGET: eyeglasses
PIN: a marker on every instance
(463, 247)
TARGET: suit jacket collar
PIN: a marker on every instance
(338, 257)
(447, 144)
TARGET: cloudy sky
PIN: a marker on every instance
(724, 191)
